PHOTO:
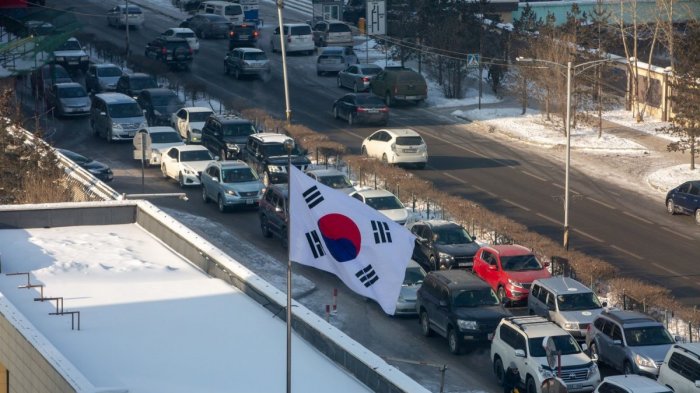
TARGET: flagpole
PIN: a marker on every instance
(289, 145)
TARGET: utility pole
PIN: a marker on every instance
(126, 27)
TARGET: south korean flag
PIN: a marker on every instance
(333, 232)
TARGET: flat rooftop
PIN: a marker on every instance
(151, 321)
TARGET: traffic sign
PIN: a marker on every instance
(376, 17)
(473, 59)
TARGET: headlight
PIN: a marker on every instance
(60, 58)
(94, 171)
(515, 283)
(446, 257)
(84, 58)
(644, 361)
(196, 132)
(593, 370)
(117, 126)
(275, 168)
(188, 171)
(570, 325)
(232, 192)
(467, 325)
(546, 374)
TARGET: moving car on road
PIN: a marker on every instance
(227, 135)
(358, 76)
(183, 32)
(332, 33)
(247, 61)
(175, 52)
(681, 368)
(334, 59)
(298, 38)
(118, 17)
(231, 184)
(443, 245)
(273, 212)
(266, 153)
(631, 384)
(412, 281)
(243, 35)
(209, 26)
(116, 116)
(361, 108)
(399, 84)
(189, 121)
(71, 55)
(185, 163)
(132, 84)
(685, 199)
(397, 146)
(69, 99)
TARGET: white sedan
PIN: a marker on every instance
(189, 121)
(155, 140)
(185, 163)
(397, 146)
(384, 202)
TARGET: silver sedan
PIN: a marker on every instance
(358, 76)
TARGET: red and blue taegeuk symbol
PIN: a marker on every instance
(341, 235)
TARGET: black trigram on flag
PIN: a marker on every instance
(367, 276)
(315, 244)
(313, 197)
(381, 232)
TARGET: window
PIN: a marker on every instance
(694, 191)
(599, 324)
(616, 333)
(417, 230)
(648, 335)
(566, 344)
(535, 290)
(409, 141)
(352, 70)
(550, 302)
(488, 258)
(542, 296)
(685, 366)
(684, 188)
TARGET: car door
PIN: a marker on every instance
(103, 123)
(680, 197)
(604, 340)
(542, 303)
(693, 201)
(346, 76)
(378, 84)
(489, 271)
(550, 306)
(616, 352)
(172, 163)
(181, 122)
(441, 316)
(346, 106)
(418, 253)
(374, 145)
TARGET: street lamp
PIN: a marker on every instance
(288, 110)
(289, 146)
(571, 71)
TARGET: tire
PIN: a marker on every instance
(205, 198)
(337, 80)
(498, 370)
(670, 207)
(163, 171)
(502, 295)
(627, 368)
(388, 99)
(530, 386)
(181, 180)
(364, 151)
(454, 342)
(351, 119)
(425, 328)
(220, 204)
(265, 227)
(335, 112)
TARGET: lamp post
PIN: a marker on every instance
(289, 146)
(571, 71)
(288, 110)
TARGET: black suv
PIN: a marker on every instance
(226, 135)
(173, 51)
(159, 104)
(443, 245)
(243, 34)
(458, 305)
(273, 212)
(265, 152)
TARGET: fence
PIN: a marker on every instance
(676, 326)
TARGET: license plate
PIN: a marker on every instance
(574, 386)
(463, 264)
(131, 133)
(409, 150)
(490, 336)
(250, 201)
(244, 37)
(412, 97)
(74, 62)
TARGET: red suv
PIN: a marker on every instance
(509, 269)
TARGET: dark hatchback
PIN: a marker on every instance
(443, 245)
(132, 84)
(96, 168)
(685, 199)
(243, 35)
(361, 108)
(226, 135)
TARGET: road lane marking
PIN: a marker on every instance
(677, 233)
(601, 203)
(637, 217)
(563, 188)
(533, 175)
(626, 252)
(675, 273)
(549, 218)
(455, 178)
(588, 235)
(516, 204)
(485, 191)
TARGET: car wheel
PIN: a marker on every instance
(335, 112)
(697, 216)
(237, 73)
(627, 368)
(163, 171)
(502, 295)
(355, 89)
(351, 119)
(425, 328)
(670, 207)
(530, 385)
(205, 198)
(453, 341)
(265, 227)
(388, 99)
(220, 204)
(364, 151)
(338, 82)
(266, 179)
(498, 370)
(181, 180)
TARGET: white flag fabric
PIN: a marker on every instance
(333, 232)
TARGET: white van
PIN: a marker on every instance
(680, 371)
(232, 11)
(299, 38)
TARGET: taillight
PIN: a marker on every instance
(365, 79)
(361, 109)
(256, 34)
(385, 109)
(164, 51)
(231, 34)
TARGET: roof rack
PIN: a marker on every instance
(528, 320)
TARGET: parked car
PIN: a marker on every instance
(132, 84)
(151, 142)
(680, 370)
(71, 55)
(102, 78)
(412, 281)
(231, 11)
(209, 26)
(158, 105)
(175, 52)
(399, 84)
(361, 108)
(37, 28)
(96, 168)
(332, 178)
(509, 269)
(299, 38)
(520, 340)
(183, 32)
(334, 59)
(247, 61)
(358, 76)
(273, 212)
(385, 202)
(119, 17)
(43, 78)
(69, 99)
(397, 146)
(227, 135)
(189, 121)
(629, 341)
(231, 184)
(267, 154)
(566, 302)
(243, 35)
(116, 116)
(443, 245)
(630, 384)
(332, 33)
(185, 163)
(685, 199)
(458, 306)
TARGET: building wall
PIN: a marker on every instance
(27, 369)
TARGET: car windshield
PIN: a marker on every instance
(476, 298)
(196, 155)
(338, 28)
(166, 101)
(75, 157)
(409, 141)
(371, 70)
(451, 235)
(140, 83)
(335, 181)
(414, 276)
(369, 100)
(72, 92)
(165, 137)
(566, 344)
(278, 149)
(70, 45)
(109, 71)
(239, 175)
(254, 56)
(389, 202)
(233, 10)
(520, 262)
(129, 109)
(578, 301)
(199, 116)
(647, 335)
(59, 72)
(301, 30)
(240, 129)
(217, 18)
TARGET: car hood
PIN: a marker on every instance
(161, 147)
(657, 353)
(576, 360)
(108, 80)
(196, 125)
(408, 292)
(528, 276)
(69, 53)
(197, 166)
(580, 316)
(75, 102)
(249, 186)
(400, 215)
(95, 165)
(282, 160)
(459, 250)
(485, 314)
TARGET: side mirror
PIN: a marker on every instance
(697, 383)
(594, 357)
(617, 342)
(546, 264)
(519, 353)
(215, 179)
